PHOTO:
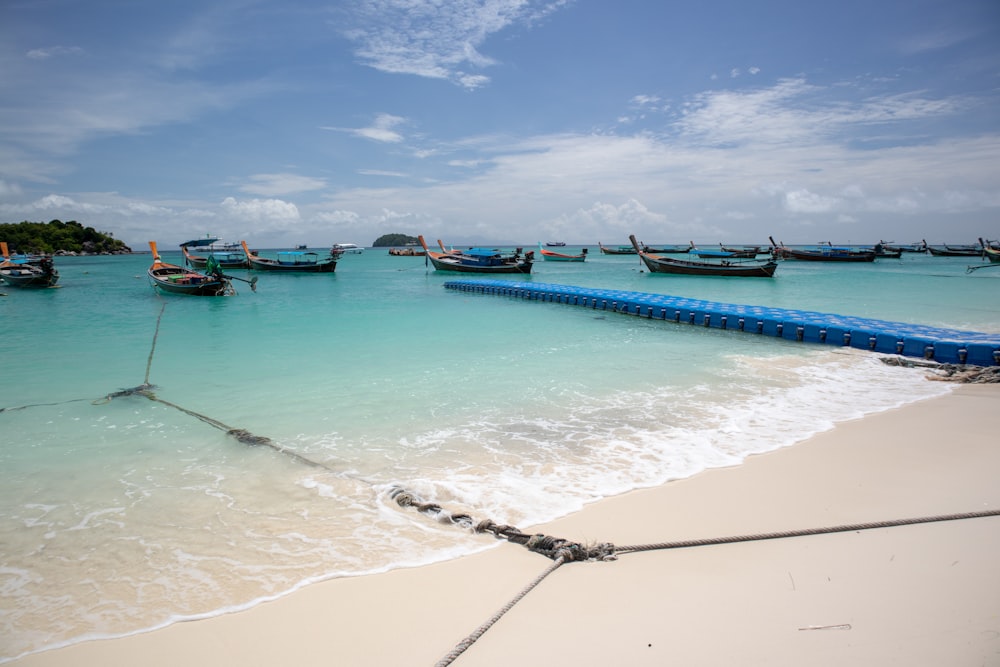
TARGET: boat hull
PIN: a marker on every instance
(303, 265)
(22, 278)
(200, 286)
(275, 266)
(689, 268)
(725, 267)
(553, 256)
(451, 263)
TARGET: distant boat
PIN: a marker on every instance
(722, 253)
(179, 280)
(346, 248)
(620, 250)
(302, 247)
(669, 249)
(479, 260)
(291, 261)
(552, 256)
(823, 253)
(911, 247)
(555, 244)
(953, 250)
(35, 271)
(737, 268)
(227, 259)
(407, 252)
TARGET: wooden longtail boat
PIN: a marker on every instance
(33, 271)
(175, 279)
(227, 259)
(620, 250)
(478, 260)
(953, 250)
(911, 247)
(669, 250)
(291, 261)
(826, 253)
(552, 256)
(742, 268)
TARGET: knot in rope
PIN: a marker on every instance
(248, 438)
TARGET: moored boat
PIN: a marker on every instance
(175, 279)
(346, 249)
(406, 252)
(228, 258)
(669, 249)
(620, 250)
(822, 253)
(723, 253)
(555, 244)
(552, 256)
(38, 271)
(946, 250)
(291, 261)
(909, 247)
(479, 260)
(735, 267)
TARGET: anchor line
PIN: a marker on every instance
(567, 551)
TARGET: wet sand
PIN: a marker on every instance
(925, 594)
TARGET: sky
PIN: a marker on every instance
(286, 122)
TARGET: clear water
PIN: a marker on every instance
(121, 515)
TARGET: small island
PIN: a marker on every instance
(59, 238)
(390, 240)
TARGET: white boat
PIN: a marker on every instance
(346, 248)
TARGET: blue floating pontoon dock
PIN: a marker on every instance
(950, 346)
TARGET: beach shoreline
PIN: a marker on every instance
(919, 594)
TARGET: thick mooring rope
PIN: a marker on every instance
(461, 647)
(847, 528)
(563, 551)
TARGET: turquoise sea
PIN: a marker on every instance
(120, 514)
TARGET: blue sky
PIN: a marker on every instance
(503, 121)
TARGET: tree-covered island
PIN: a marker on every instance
(59, 238)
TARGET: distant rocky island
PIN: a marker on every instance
(59, 238)
(389, 240)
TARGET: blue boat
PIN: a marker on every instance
(479, 260)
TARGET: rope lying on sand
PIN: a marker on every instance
(563, 551)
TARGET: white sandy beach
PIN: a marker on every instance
(926, 594)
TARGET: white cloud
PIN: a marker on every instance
(270, 185)
(438, 40)
(54, 51)
(274, 212)
(380, 130)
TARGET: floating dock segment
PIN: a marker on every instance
(949, 346)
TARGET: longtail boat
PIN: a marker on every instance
(36, 271)
(552, 256)
(823, 253)
(175, 279)
(478, 260)
(953, 250)
(227, 258)
(620, 250)
(735, 267)
(291, 261)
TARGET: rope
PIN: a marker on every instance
(564, 552)
(156, 333)
(847, 528)
(461, 647)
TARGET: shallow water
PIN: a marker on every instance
(125, 514)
